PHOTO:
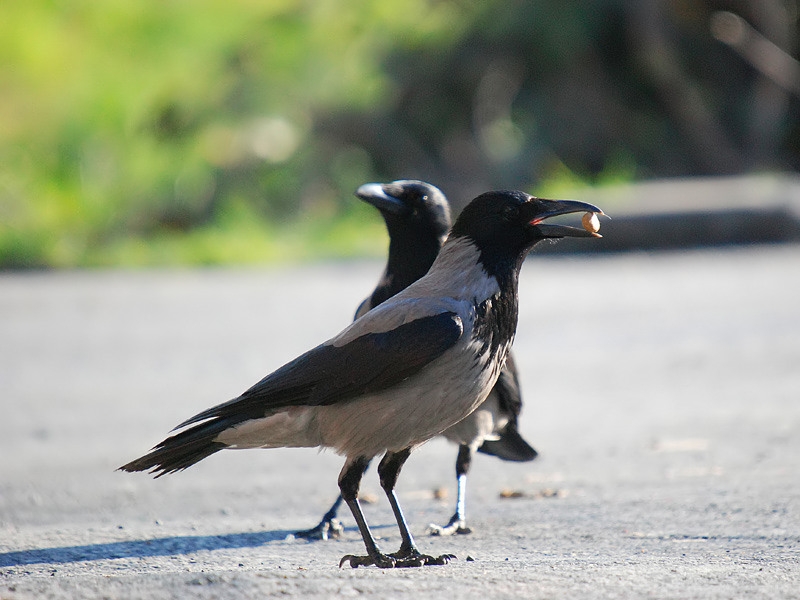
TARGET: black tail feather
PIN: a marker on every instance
(181, 450)
(511, 446)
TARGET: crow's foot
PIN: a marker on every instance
(383, 561)
(455, 526)
(327, 529)
(398, 560)
(414, 558)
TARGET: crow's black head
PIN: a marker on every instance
(505, 225)
(412, 209)
(417, 216)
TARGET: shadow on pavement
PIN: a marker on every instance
(140, 548)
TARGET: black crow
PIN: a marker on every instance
(417, 216)
(399, 375)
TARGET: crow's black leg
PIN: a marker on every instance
(389, 470)
(408, 555)
(328, 527)
(458, 523)
(349, 482)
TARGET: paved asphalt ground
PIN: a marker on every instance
(662, 391)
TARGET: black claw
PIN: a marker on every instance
(382, 561)
(445, 558)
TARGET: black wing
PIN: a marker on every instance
(325, 375)
(329, 374)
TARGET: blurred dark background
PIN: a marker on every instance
(146, 132)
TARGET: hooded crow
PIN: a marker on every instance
(399, 375)
(417, 216)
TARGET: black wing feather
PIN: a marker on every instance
(329, 374)
(325, 375)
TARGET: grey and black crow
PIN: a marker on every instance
(417, 216)
(399, 375)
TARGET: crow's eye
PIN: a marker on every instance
(510, 212)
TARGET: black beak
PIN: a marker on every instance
(374, 194)
(542, 209)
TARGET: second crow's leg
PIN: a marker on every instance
(458, 523)
(328, 527)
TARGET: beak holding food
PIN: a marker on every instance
(545, 209)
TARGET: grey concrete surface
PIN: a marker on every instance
(662, 391)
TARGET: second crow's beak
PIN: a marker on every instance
(541, 209)
(374, 194)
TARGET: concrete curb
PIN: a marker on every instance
(693, 213)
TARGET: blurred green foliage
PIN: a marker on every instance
(151, 131)
(141, 132)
